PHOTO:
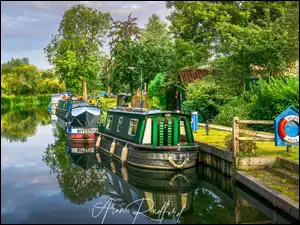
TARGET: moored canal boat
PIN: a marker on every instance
(148, 138)
(53, 103)
(78, 118)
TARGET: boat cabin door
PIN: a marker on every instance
(165, 132)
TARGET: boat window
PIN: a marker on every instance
(148, 132)
(109, 122)
(133, 126)
(120, 124)
(182, 131)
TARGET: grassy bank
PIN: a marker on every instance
(13, 102)
(216, 138)
(285, 186)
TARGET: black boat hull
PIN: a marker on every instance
(166, 158)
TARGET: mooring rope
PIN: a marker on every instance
(171, 161)
(171, 182)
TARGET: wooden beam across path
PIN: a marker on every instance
(254, 139)
(257, 121)
(229, 129)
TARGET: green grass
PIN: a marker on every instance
(284, 186)
(216, 138)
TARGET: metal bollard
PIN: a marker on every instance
(195, 122)
(207, 129)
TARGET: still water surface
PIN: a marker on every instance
(43, 182)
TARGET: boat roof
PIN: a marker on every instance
(145, 111)
(82, 104)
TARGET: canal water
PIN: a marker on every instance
(43, 181)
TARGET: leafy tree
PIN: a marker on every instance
(122, 35)
(205, 96)
(49, 73)
(76, 49)
(11, 65)
(148, 53)
(241, 33)
(19, 77)
(48, 85)
(155, 30)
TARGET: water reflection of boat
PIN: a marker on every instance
(53, 103)
(83, 160)
(53, 118)
(202, 194)
(171, 191)
(80, 147)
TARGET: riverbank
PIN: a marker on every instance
(14, 102)
(264, 149)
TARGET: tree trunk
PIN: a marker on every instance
(84, 89)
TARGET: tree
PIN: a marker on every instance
(76, 49)
(122, 34)
(12, 64)
(155, 30)
(241, 34)
(18, 77)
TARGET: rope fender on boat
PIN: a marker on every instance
(112, 146)
(124, 153)
(98, 141)
(180, 166)
(171, 182)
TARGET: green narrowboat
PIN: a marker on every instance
(148, 138)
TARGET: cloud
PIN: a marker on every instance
(7, 22)
(26, 27)
(39, 5)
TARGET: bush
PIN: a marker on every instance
(154, 103)
(268, 100)
(205, 96)
(237, 107)
(156, 89)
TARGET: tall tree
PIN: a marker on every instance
(76, 49)
(155, 30)
(122, 34)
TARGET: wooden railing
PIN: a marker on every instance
(236, 132)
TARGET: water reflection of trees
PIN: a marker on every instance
(211, 196)
(16, 126)
(77, 184)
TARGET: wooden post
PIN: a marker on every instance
(289, 149)
(237, 210)
(235, 135)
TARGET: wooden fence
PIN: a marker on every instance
(236, 132)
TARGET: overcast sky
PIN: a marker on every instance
(26, 27)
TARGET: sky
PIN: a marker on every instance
(27, 26)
